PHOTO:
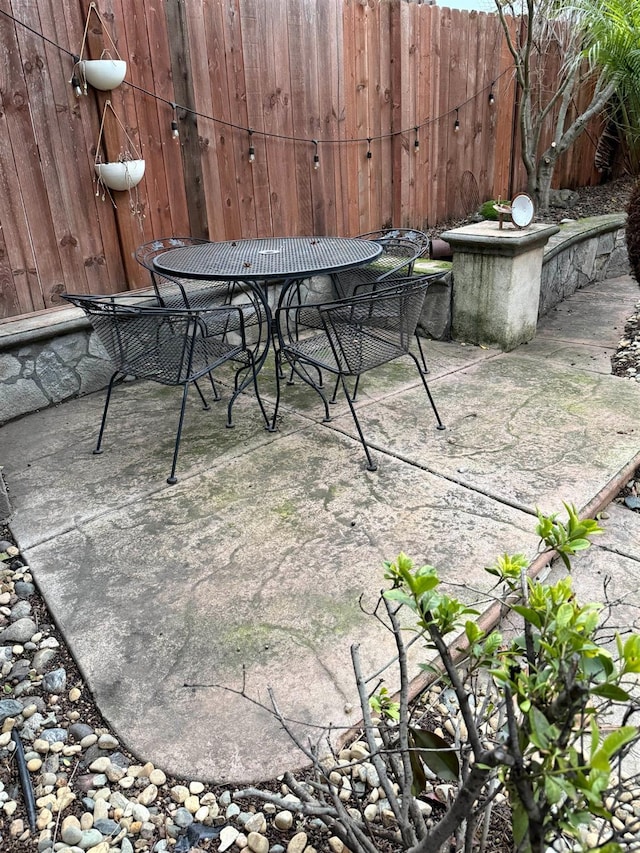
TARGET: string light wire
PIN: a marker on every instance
(269, 134)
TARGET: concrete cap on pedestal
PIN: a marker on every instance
(488, 238)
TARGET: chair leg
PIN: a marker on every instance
(424, 368)
(427, 389)
(240, 386)
(216, 393)
(371, 465)
(279, 375)
(205, 405)
(98, 447)
(172, 479)
(298, 368)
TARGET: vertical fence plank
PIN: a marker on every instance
(362, 131)
(121, 136)
(305, 119)
(402, 111)
(69, 175)
(236, 74)
(173, 207)
(40, 246)
(278, 121)
(251, 47)
(183, 31)
(326, 180)
(219, 140)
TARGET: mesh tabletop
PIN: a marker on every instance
(273, 257)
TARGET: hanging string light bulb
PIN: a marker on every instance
(416, 143)
(369, 148)
(174, 122)
(316, 158)
(456, 124)
(492, 99)
(75, 80)
(252, 150)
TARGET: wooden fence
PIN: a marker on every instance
(378, 84)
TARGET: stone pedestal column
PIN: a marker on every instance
(496, 282)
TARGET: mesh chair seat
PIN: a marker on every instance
(357, 334)
(174, 346)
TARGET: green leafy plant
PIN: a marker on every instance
(532, 717)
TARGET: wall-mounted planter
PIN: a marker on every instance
(103, 74)
(122, 175)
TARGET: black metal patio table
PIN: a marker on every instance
(260, 261)
(267, 259)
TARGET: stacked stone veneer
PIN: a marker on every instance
(47, 360)
(583, 251)
(55, 356)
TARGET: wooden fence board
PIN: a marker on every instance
(98, 237)
(276, 110)
(251, 46)
(402, 111)
(474, 143)
(335, 111)
(326, 180)
(305, 119)
(26, 161)
(19, 287)
(183, 27)
(71, 191)
(169, 149)
(385, 107)
(362, 207)
(231, 22)
(20, 290)
(122, 131)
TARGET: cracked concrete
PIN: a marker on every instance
(262, 562)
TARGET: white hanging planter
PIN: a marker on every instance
(103, 74)
(121, 175)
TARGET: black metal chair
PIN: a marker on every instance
(174, 346)
(401, 248)
(182, 292)
(348, 337)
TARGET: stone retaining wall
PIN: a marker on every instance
(583, 251)
(54, 356)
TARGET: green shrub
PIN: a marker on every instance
(552, 754)
(488, 211)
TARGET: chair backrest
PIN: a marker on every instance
(176, 292)
(395, 261)
(418, 238)
(145, 253)
(170, 346)
(369, 330)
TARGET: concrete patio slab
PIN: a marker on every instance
(257, 564)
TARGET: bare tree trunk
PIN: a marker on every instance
(528, 44)
(543, 178)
